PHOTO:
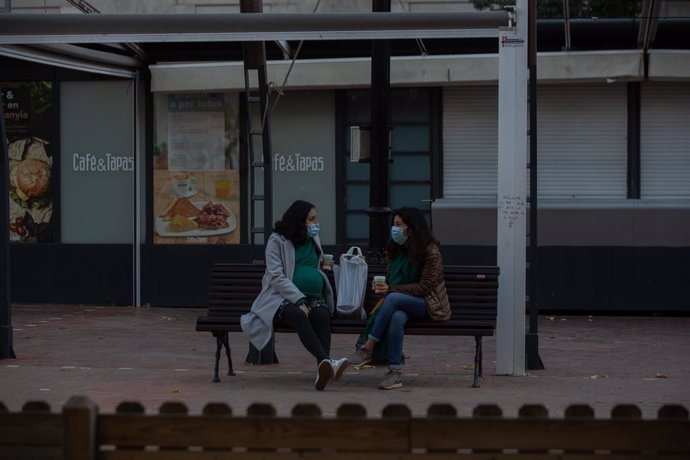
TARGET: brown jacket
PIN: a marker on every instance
(431, 285)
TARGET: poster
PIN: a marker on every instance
(196, 131)
(196, 179)
(28, 111)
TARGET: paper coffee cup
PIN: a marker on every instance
(379, 280)
(326, 261)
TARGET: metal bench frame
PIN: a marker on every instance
(472, 291)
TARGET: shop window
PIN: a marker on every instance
(411, 154)
(97, 162)
(410, 167)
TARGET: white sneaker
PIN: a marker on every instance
(323, 374)
(339, 366)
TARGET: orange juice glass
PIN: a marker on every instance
(223, 186)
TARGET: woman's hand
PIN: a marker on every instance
(304, 308)
(380, 288)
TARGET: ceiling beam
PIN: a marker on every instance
(235, 27)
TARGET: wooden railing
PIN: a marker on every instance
(79, 432)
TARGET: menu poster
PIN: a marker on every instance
(196, 188)
(29, 117)
(196, 131)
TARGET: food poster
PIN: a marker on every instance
(196, 175)
(29, 118)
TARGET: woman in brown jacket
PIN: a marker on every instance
(414, 289)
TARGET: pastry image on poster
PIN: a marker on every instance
(28, 117)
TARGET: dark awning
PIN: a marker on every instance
(145, 28)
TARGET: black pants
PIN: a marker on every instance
(314, 331)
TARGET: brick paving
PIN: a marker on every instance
(153, 355)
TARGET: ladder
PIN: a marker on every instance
(258, 142)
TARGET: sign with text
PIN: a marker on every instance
(102, 163)
(28, 110)
(196, 180)
(196, 131)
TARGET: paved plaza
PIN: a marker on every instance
(154, 355)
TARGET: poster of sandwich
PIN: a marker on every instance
(28, 111)
(196, 179)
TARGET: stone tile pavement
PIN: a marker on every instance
(153, 355)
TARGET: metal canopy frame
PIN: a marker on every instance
(151, 28)
(75, 58)
(69, 30)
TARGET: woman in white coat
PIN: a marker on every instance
(295, 292)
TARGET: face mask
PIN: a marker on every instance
(398, 234)
(312, 230)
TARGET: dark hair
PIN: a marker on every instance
(292, 226)
(420, 236)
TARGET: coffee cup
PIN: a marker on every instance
(379, 280)
(184, 184)
(327, 261)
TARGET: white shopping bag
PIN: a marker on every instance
(351, 283)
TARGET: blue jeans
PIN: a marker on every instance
(392, 316)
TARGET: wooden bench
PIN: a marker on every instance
(472, 291)
(80, 432)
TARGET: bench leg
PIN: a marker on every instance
(477, 361)
(226, 343)
(222, 340)
(219, 344)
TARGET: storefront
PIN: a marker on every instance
(602, 246)
(71, 138)
(149, 177)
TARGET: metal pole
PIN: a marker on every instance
(6, 350)
(379, 212)
(532, 338)
(137, 174)
(8, 6)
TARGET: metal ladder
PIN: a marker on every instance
(258, 139)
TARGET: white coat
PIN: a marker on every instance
(277, 286)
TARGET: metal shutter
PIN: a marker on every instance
(582, 142)
(470, 142)
(665, 141)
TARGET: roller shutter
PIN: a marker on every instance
(582, 142)
(665, 141)
(470, 142)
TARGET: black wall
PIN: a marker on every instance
(71, 274)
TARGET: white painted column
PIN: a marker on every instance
(512, 195)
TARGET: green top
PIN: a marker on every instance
(307, 276)
(402, 270)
